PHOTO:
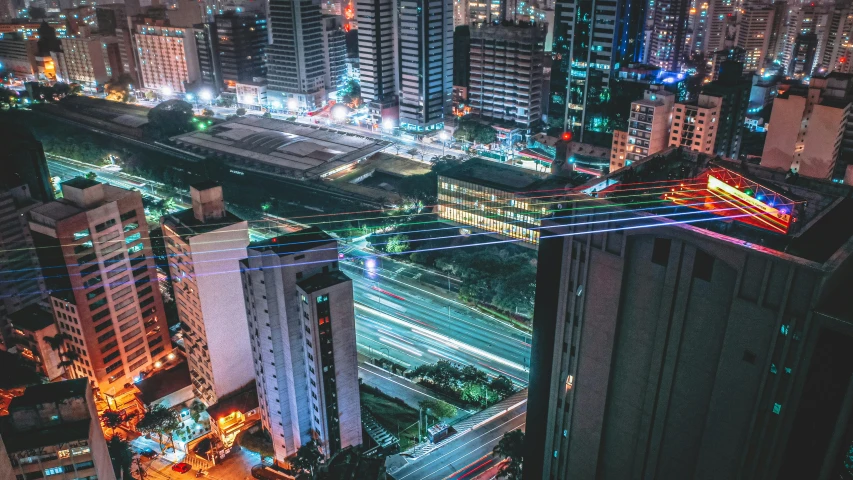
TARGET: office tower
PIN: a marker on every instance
(506, 73)
(17, 54)
(204, 245)
(461, 14)
(29, 329)
(209, 73)
(296, 62)
(753, 35)
(21, 280)
(54, 430)
(378, 57)
(113, 20)
(168, 58)
(669, 47)
(734, 90)
(335, 46)
(619, 150)
(694, 125)
(241, 40)
(720, 12)
(302, 331)
(806, 132)
(484, 11)
(699, 27)
(426, 64)
(88, 60)
(96, 257)
(700, 346)
(648, 124)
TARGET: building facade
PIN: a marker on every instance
(619, 150)
(296, 62)
(692, 348)
(378, 57)
(302, 331)
(54, 430)
(90, 61)
(754, 33)
(204, 245)
(694, 126)
(426, 64)
(648, 124)
(168, 58)
(241, 46)
(734, 90)
(95, 253)
(30, 330)
(335, 46)
(670, 44)
(506, 74)
(18, 55)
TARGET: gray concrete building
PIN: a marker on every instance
(302, 330)
(378, 57)
(685, 340)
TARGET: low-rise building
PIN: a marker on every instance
(694, 125)
(619, 150)
(90, 61)
(648, 124)
(32, 328)
(53, 431)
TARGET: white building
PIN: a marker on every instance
(167, 57)
(805, 132)
(302, 331)
(754, 33)
(694, 126)
(204, 246)
(648, 125)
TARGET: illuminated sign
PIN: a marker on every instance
(716, 185)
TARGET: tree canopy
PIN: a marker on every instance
(511, 447)
(171, 117)
(475, 132)
(159, 420)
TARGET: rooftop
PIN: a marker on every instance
(62, 433)
(63, 208)
(323, 280)
(243, 400)
(295, 242)
(50, 393)
(165, 382)
(496, 175)
(32, 318)
(754, 206)
(186, 225)
(292, 149)
(81, 183)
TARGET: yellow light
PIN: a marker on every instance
(171, 356)
(222, 420)
(158, 364)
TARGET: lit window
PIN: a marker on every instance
(777, 407)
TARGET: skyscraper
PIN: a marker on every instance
(734, 90)
(335, 46)
(96, 256)
(296, 62)
(426, 64)
(241, 45)
(669, 40)
(706, 345)
(302, 331)
(23, 162)
(378, 57)
(754, 33)
(204, 245)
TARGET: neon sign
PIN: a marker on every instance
(780, 215)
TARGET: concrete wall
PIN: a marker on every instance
(782, 132)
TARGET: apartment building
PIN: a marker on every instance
(167, 57)
(302, 329)
(90, 60)
(754, 33)
(17, 54)
(506, 73)
(96, 256)
(619, 150)
(30, 330)
(648, 124)
(378, 57)
(733, 90)
(53, 431)
(204, 245)
(694, 125)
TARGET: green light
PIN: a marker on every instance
(202, 127)
(748, 191)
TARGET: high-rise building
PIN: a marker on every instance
(21, 280)
(18, 55)
(241, 41)
(839, 89)
(302, 331)
(296, 62)
(720, 12)
(670, 45)
(710, 344)
(619, 150)
(694, 125)
(806, 131)
(378, 57)
(113, 20)
(53, 430)
(485, 11)
(22, 157)
(733, 88)
(648, 124)
(209, 73)
(335, 46)
(426, 64)
(505, 84)
(96, 257)
(753, 35)
(168, 58)
(90, 61)
(204, 245)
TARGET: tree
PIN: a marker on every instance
(511, 446)
(207, 112)
(397, 244)
(113, 419)
(502, 386)
(121, 456)
(118, 89)
(75, 89)
(196, 409)
(438, 409)
(171, 117)
(159, 420)
(70, 357)
(479, 394)
(241, 111)
(47, 40)
(413, 151)
(267, 115)
(307, 458)
(57, 341)
(150, 96)
(91, 175)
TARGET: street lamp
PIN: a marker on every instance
(444, 136)
(206, 95)
(292, 104)
(339, 113)
(167, 91)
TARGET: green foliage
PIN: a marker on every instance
(467, 384)
(226, 102)
(475, 132)
(259, 442)
(150, 96)
(91, 175)
(511, 446)
(121, 456)
(397, 244)
(113, 419)
(170, 118)
(267, 115)
(307, 458)
(479, 394)
(118, 89)
(241, 111)
(437, 409)
(413, 151)
(351, 94)
(207, 112)
(196, 409)
(161, 421)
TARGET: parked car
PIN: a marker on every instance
(182, 467)
(149, 453)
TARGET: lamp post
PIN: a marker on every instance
(443, 135)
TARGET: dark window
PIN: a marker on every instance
(103, 226)
(128, 215)
(749, 357)
(100, 315)
(660, 252)
(703, 266)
